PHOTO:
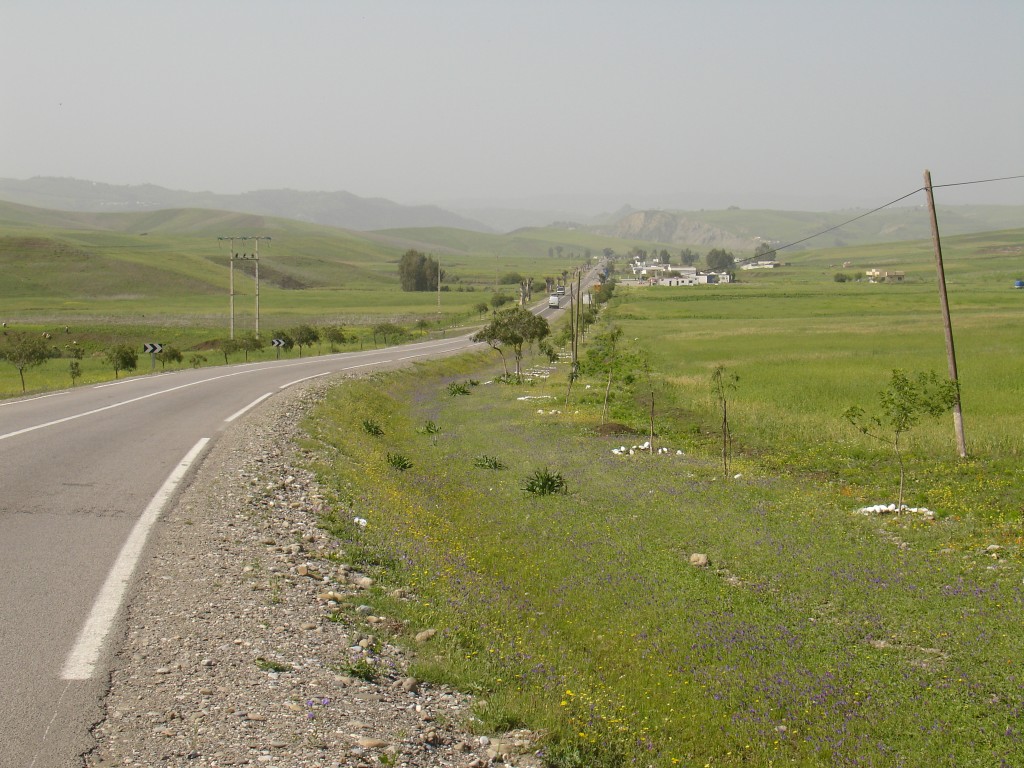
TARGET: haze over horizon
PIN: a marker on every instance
(792, 104)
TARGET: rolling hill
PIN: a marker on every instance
(336, 209)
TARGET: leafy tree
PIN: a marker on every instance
(604, 291)
(304, 336)
(169, 354)
(250, 343)
(511, 278)
(418, 272)
(228, 347)
(489, 335)
(384, 330)
(499, 300)
(720, 260)
(481, 308)
(197, 360)
(664, 256)
(122, 357)
(902, 406)
(601, 357)
(74, 370)
(513, 328)
(764, 251)
(23, 350)
(335, 334)
(688, 257)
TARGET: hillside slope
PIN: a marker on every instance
(336, 209)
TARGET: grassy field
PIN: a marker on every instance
(817, 634)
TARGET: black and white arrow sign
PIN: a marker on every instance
(153, 348)
(277, 343)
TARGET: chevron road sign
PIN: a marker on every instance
(153, 348)
(277, 343)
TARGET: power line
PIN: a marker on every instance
(979, 181)
(849, 221)
(883, 207)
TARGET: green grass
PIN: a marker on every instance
(817, 635)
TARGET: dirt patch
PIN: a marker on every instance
(614, 428)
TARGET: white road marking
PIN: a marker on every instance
(21, 400)
(306, 378)
(253, 404)
(123, 402)
(94, 411)
(81, 662)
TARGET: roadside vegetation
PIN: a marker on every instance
(594, 574)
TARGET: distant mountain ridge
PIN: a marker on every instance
(335, 209)
(735, 229)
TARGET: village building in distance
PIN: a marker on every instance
(878, 276)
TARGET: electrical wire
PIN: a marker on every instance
(839, 226)
(979, 181)
(880, 208)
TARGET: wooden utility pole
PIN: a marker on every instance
(958, 418)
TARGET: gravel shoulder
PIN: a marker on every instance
(228, 656)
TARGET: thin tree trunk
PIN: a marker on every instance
(725, 437)
(651, 441)
(607, 392)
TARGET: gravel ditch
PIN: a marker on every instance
(228, 656)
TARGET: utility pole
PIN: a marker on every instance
(958, 417)
(233, 257)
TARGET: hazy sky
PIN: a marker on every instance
(777, 103)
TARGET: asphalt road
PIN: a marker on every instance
(84, 474)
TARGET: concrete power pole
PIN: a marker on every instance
(235, 256)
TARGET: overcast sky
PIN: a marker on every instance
(812, 104)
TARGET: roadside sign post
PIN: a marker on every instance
(277, 344)
(154, 350)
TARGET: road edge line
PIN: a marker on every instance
(81, 661)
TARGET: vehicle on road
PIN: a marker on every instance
(553, 300)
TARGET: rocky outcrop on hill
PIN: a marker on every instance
(669, 227)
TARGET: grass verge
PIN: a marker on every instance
(814, 635)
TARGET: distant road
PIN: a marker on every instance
(84, 474)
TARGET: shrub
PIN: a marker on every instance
(371, 427)
(488, 462)
(360, 669)
(544, 482)
(455, 389)
(399, 462)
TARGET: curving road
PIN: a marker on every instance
(84, 475)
